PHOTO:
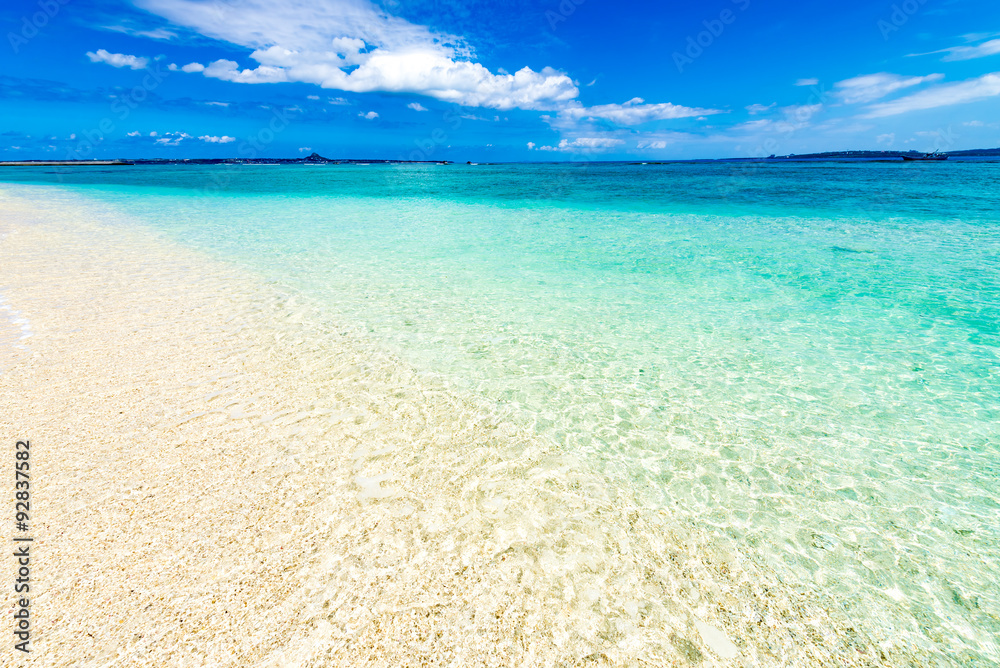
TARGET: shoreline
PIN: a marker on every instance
(226, 477)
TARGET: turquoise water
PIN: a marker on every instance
(802, 357)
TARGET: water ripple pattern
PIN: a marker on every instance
(801, 361)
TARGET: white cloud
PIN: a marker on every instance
(416, 106)
(312, 97)
(581, 144)
(871, 87)
(224, 139)
(801, 112)
(976, 36)
(117, 59)
(807, 82)
(755, 109)
(193, 67)
(134, 133)
(356, 46)
(173, 67)
(371, 115)
(151, 134)
(989, 48)
(795, 117)
(658, 140)
(156, 33)
(303, 149)
(943, 95)
(171, 138)
(228, 70)
(633, 112)
(217, 104)
(980, 124)
(338, 101)
(887, 138)
(531, 145)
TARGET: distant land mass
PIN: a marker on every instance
(887, 155)
(317, 159)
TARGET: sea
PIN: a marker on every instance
(802, 358)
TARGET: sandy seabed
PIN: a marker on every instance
(222, 477)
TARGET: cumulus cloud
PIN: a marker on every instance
(582, 144)
(887, 138)
(303, 149)
(871, 87)
(228, 70)
(193, 67)
(416, 106)
(117, 59)
(943, 95)
(134, 133)
(171, 138)
(371, 115)
(338, 101)
(633, 112)
(356, 46)
(224, 139)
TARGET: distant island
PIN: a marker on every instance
(885, 155)
(849, 156)
(317, 159)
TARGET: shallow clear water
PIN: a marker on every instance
(802, 357)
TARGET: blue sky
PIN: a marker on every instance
(477, 80)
